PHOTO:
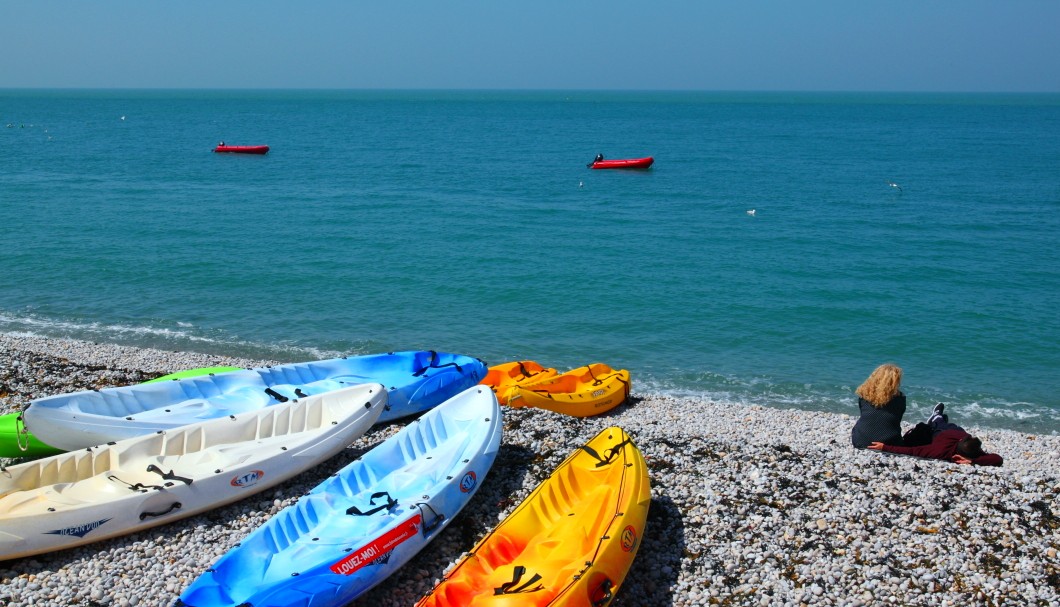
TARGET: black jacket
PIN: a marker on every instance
(883, 425)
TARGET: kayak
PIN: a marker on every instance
(570, 543)
(16, 441)
(500, 378)
(415, 382)
(581, 392)
(626, 163)
(242, 149)
(358, 527)
(105, 491)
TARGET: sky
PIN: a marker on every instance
(737, 45)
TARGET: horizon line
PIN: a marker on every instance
(527, 90)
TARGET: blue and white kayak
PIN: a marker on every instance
(356, 528)
(101, 492)
(415, 382)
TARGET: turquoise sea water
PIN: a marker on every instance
(468, 222)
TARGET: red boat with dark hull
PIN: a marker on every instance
(242, 149)
(625, 163)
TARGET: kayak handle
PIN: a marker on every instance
(605, 587)
(21, 433)
(276, 395)
(438, 518)
(513, 586)
(169, 476)
(175, 506)
(433, 365)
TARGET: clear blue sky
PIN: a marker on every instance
(823, 45)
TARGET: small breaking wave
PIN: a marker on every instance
(970, 410)
(180, 336)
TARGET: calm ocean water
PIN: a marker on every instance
(468, 222)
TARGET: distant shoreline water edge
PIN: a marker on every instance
(731, 391)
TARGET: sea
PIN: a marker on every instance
(780, 248)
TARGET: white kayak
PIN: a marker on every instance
(356, 528)
(101, 492)
(415, 382)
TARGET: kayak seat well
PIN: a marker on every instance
(65, 469)
(276, 425)
(564, 548)
(133, 400)
(560, 385)
(251, 432)
(73, 479)
(248, 569)
(127, 404)
(302, 390)
(291, 525)
(503, 548)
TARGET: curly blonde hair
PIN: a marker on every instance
(882, 385)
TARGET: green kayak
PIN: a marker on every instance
(15, 441)
(193, 373)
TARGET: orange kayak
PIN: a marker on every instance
(570, 543)
(501, 378)
(581, 392)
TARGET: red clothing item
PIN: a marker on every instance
(944, 446)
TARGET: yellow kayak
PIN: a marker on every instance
(580, 392)
(571, 542)
(500, 378)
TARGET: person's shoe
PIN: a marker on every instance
(936, 413)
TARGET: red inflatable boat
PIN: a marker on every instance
(243, 149)
(626, 163)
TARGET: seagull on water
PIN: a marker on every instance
(751, 212)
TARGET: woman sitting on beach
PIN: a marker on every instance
(882, 406)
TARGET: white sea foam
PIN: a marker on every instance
(964, 410)
(45, 326)
(183, 337)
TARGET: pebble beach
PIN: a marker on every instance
(751, 505)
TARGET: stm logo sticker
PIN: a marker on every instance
(467, 484)
(629, 538)
(248, 480)
(79, 530)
